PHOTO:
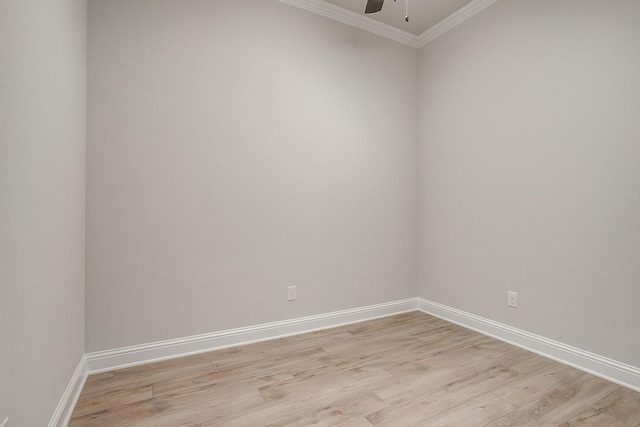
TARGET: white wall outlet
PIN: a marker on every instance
(291, 294)
(512, 299)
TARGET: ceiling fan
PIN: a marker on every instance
(374, 6)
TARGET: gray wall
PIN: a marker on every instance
(236, 148)
(530, 170)
(217, 176)
(42, 203)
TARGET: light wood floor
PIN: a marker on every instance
(407, 370)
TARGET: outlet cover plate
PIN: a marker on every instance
(512, 299)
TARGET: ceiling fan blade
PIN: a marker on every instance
(373, 6)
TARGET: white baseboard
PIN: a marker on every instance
(103, 361)
(109, 360)
(63, 412)
(608, 369)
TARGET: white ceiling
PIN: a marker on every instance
(428, 19)
(423, 14)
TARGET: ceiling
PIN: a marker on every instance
(423, 14)
(428, 19)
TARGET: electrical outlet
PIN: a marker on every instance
(291, 294)
(512, 299)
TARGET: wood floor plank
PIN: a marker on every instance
(339, 412)
(537, 384)
(359, 422)
(305, 395)
(331, 384)
(476, 412)
(138, 377)
(619, 408)
(527, 363)
(121, 397)
(439, 371)
(429, 404)
(179, 408)
(460, 357)
(560, 404)
(410, 369)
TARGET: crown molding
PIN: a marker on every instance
(452, 20)
(363, 22)
(357, 20)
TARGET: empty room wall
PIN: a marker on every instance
(42, 203)
(529, 177)
(237, 148)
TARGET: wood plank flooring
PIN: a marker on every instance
(406, 370)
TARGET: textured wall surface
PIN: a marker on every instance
(237, 148)
(529, 177)
(42, 203)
